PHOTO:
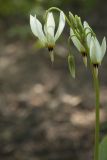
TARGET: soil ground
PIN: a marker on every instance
(44, 113)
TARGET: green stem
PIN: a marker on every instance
(97, 121)
(97, 107)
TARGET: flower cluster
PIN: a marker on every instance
(81, 35)
(85, 41)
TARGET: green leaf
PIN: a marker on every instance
(103, 149)
(71, 65)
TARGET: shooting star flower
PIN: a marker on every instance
(97, 52)
(48, 37)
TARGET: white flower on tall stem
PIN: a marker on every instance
(47, 36)
(97, 52)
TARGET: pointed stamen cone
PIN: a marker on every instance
(85, 61)
(51, 53)
(95, 69)
(84, 55)
(51, 56)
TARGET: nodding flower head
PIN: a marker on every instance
(47, 36)
(97, 51)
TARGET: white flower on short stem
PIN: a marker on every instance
(47, 36)
(97, 51)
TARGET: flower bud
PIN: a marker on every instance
(71, 65)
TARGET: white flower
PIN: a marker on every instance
(76, 42)
(97, 51)
(47, 36)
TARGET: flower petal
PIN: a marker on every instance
(103, 47)
(86, 26)
(50, 38)
(36, 28)
(76, 42)
(89, 39)
(61, 25)
(95, 51)
(97, 45)
(88, 34)
(98, 49)
(50, 25)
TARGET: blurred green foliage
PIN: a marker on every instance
(23, 7)
(15, 7)
(15, 13)
(103, 149)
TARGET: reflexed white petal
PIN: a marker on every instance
(36, 28)
(103, 47)
(89, 39)
(45, 29)
(33, 25)
(95, 51)
(50, 24)
(86, 25)
(50, 38)
(61, 25)
(87, 31)
(97, 43)
(98, 50)
(76, 42)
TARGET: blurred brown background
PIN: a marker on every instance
(44, 113)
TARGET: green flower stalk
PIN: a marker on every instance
(97, 121)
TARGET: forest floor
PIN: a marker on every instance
(44, 113)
